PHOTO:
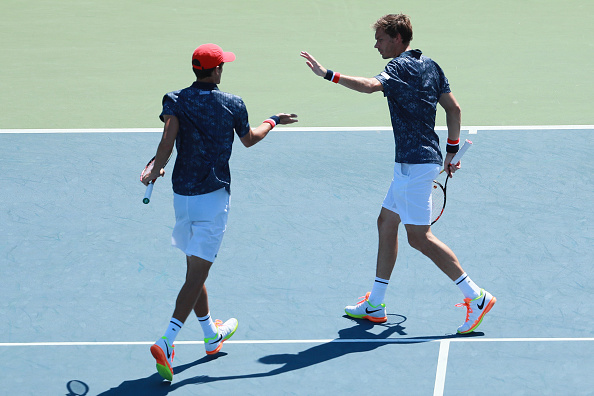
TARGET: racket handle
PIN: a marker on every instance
(147, 194)
(461, 152)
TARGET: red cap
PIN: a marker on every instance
(209, 56)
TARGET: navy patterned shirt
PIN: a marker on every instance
(413, 84)
(207, 121)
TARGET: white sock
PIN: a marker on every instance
(378, 292)
(173, 329)
(208, 326)
(468, 287)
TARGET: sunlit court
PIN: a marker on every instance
(88, 276)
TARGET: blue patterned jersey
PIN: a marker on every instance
(413, 84)
(207, 121)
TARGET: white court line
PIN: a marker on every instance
(442, 364)
(470, 129)
(313, 341)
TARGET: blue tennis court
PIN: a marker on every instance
(89, 277)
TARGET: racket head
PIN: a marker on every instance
(149, 167)
(438, 200)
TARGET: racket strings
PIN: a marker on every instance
(437, 201)
(438, 198)
(148, 168)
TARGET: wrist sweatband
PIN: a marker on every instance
(272, 120)
(332, 76)
(453, 146)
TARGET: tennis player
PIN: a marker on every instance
(201, 121)
(413, 85)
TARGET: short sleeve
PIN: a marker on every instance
(389, 79)
(240, 122)
(169, 105)
(444, 85)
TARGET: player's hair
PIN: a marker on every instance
(395, 24)
(201, 74)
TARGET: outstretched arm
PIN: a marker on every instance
(359, 84)
(260, 132)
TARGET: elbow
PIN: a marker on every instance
(369, 88)
(455, 112)
(248, 141)
(371, 85)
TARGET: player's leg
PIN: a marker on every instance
(476, 300)
(372, 305)
(201, 308)
(387, 227)
(421, 238)
(198, 232)
(215, 331)
(163, 349)
(190, 293)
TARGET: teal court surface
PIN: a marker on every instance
(88, 277)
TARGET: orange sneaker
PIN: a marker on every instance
(163, 354)
(364, 310)
(476, 310)
(224, 332)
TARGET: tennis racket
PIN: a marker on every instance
(149, 188)
(438, 191)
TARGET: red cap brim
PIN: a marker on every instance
(228, 56)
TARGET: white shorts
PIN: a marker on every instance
(410, 192)
(200, 223)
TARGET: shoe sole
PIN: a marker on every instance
(163, 367)
(371, 318)
(223, 340)
(480, 319)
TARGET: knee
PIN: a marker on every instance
(197, 269)
(387, 219)
(380, 222)
(418, 241)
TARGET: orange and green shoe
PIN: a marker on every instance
(476, 310)
(224, 332)
(163, 354)
(364, 310)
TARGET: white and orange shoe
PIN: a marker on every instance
(364, 310)
(476, 310)
(163, 354)
(224, 332)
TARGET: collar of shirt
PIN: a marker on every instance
(204, 86)
(416, 53)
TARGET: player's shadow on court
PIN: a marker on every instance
(356, 339)
(363, 340)
(154, 385)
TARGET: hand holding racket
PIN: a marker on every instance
(148, 172)
(438, 191)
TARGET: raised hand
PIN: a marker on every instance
(313, 64)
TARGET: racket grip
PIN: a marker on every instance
(461, 152)
(147, 194)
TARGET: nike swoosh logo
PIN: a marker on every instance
(168, 353)
(218, 339)
(482, 304)
(368, 311)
